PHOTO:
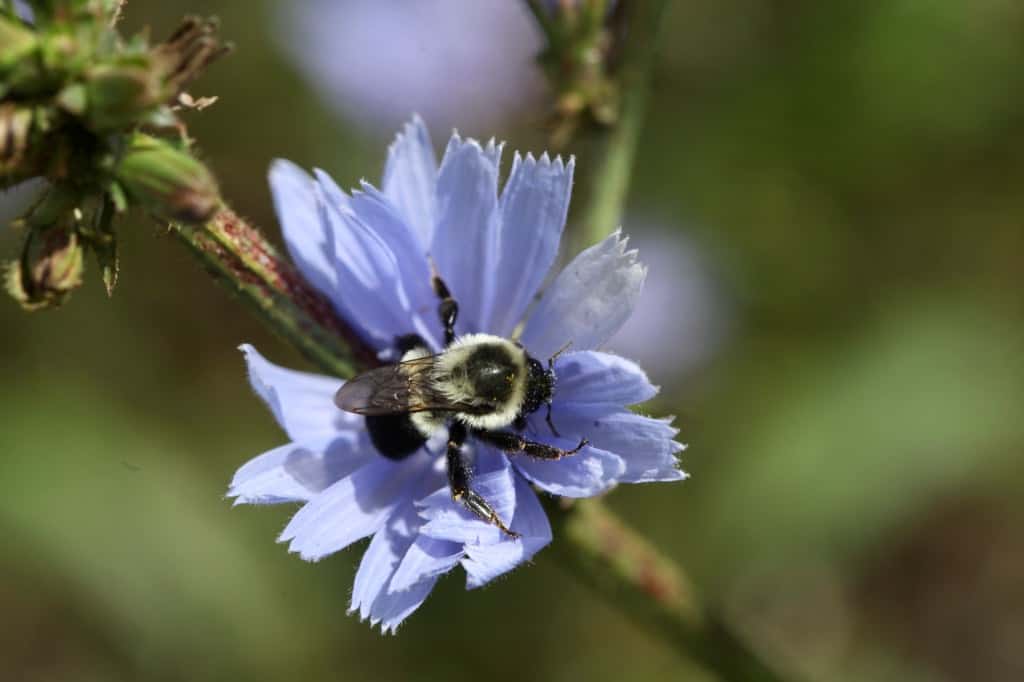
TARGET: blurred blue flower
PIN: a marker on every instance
(24, 10)
(367, 251)
(683, 316)
(456, 62)
(555, 7)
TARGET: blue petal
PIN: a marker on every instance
(297, 472)
(588, 301)
(369, 291)
(465, 243)
(304, 234)
(410, 177)
(391, 608)
(589, 472)
(646, 445)
(483, 563)
(449, 520)
(376, 594)
(302, 403)
(416, 297)
(592, 377)
(534, 204)
(427, 557)
(381, 559)
(352, 508)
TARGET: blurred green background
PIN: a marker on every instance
(852, 173)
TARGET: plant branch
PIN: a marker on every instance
(599, 549)
(616, 147)
(245, 263)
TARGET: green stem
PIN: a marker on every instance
(616, 149)
(621, 566)
(242, 260)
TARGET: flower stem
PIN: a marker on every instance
(241, 259)
(616, 148)
(621, 566)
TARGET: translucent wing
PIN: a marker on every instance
(397, 389)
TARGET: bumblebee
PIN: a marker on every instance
(479, 386)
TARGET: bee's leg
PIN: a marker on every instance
(460, 475)
(513, 443)
(448, 308)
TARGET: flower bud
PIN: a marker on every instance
(167, 180)
(16, 43)
(115, 96)
(46, 278)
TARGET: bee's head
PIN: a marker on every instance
(540, 386)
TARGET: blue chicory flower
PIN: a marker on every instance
(375, 61)
(368, 252)
(24, 11)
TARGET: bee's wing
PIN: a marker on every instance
(397, 389)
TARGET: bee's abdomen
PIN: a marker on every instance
(394, 435)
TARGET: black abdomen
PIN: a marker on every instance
(394, 435)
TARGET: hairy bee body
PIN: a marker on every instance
(475, 388)
(485, 382)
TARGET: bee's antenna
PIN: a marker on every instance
(551, 360)
(551, 372)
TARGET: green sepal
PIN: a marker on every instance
(17, 42)
(117, 196)
(119, 95)
(73, 99)
(167, 180)
(102, 240)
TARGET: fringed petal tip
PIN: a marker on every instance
(491, 150)
(386, 628)
(413, 129)
(545, 161)
(589, 300)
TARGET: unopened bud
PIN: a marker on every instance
(16, 42)
(45, 279)
(167, 180)
(114, 96)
